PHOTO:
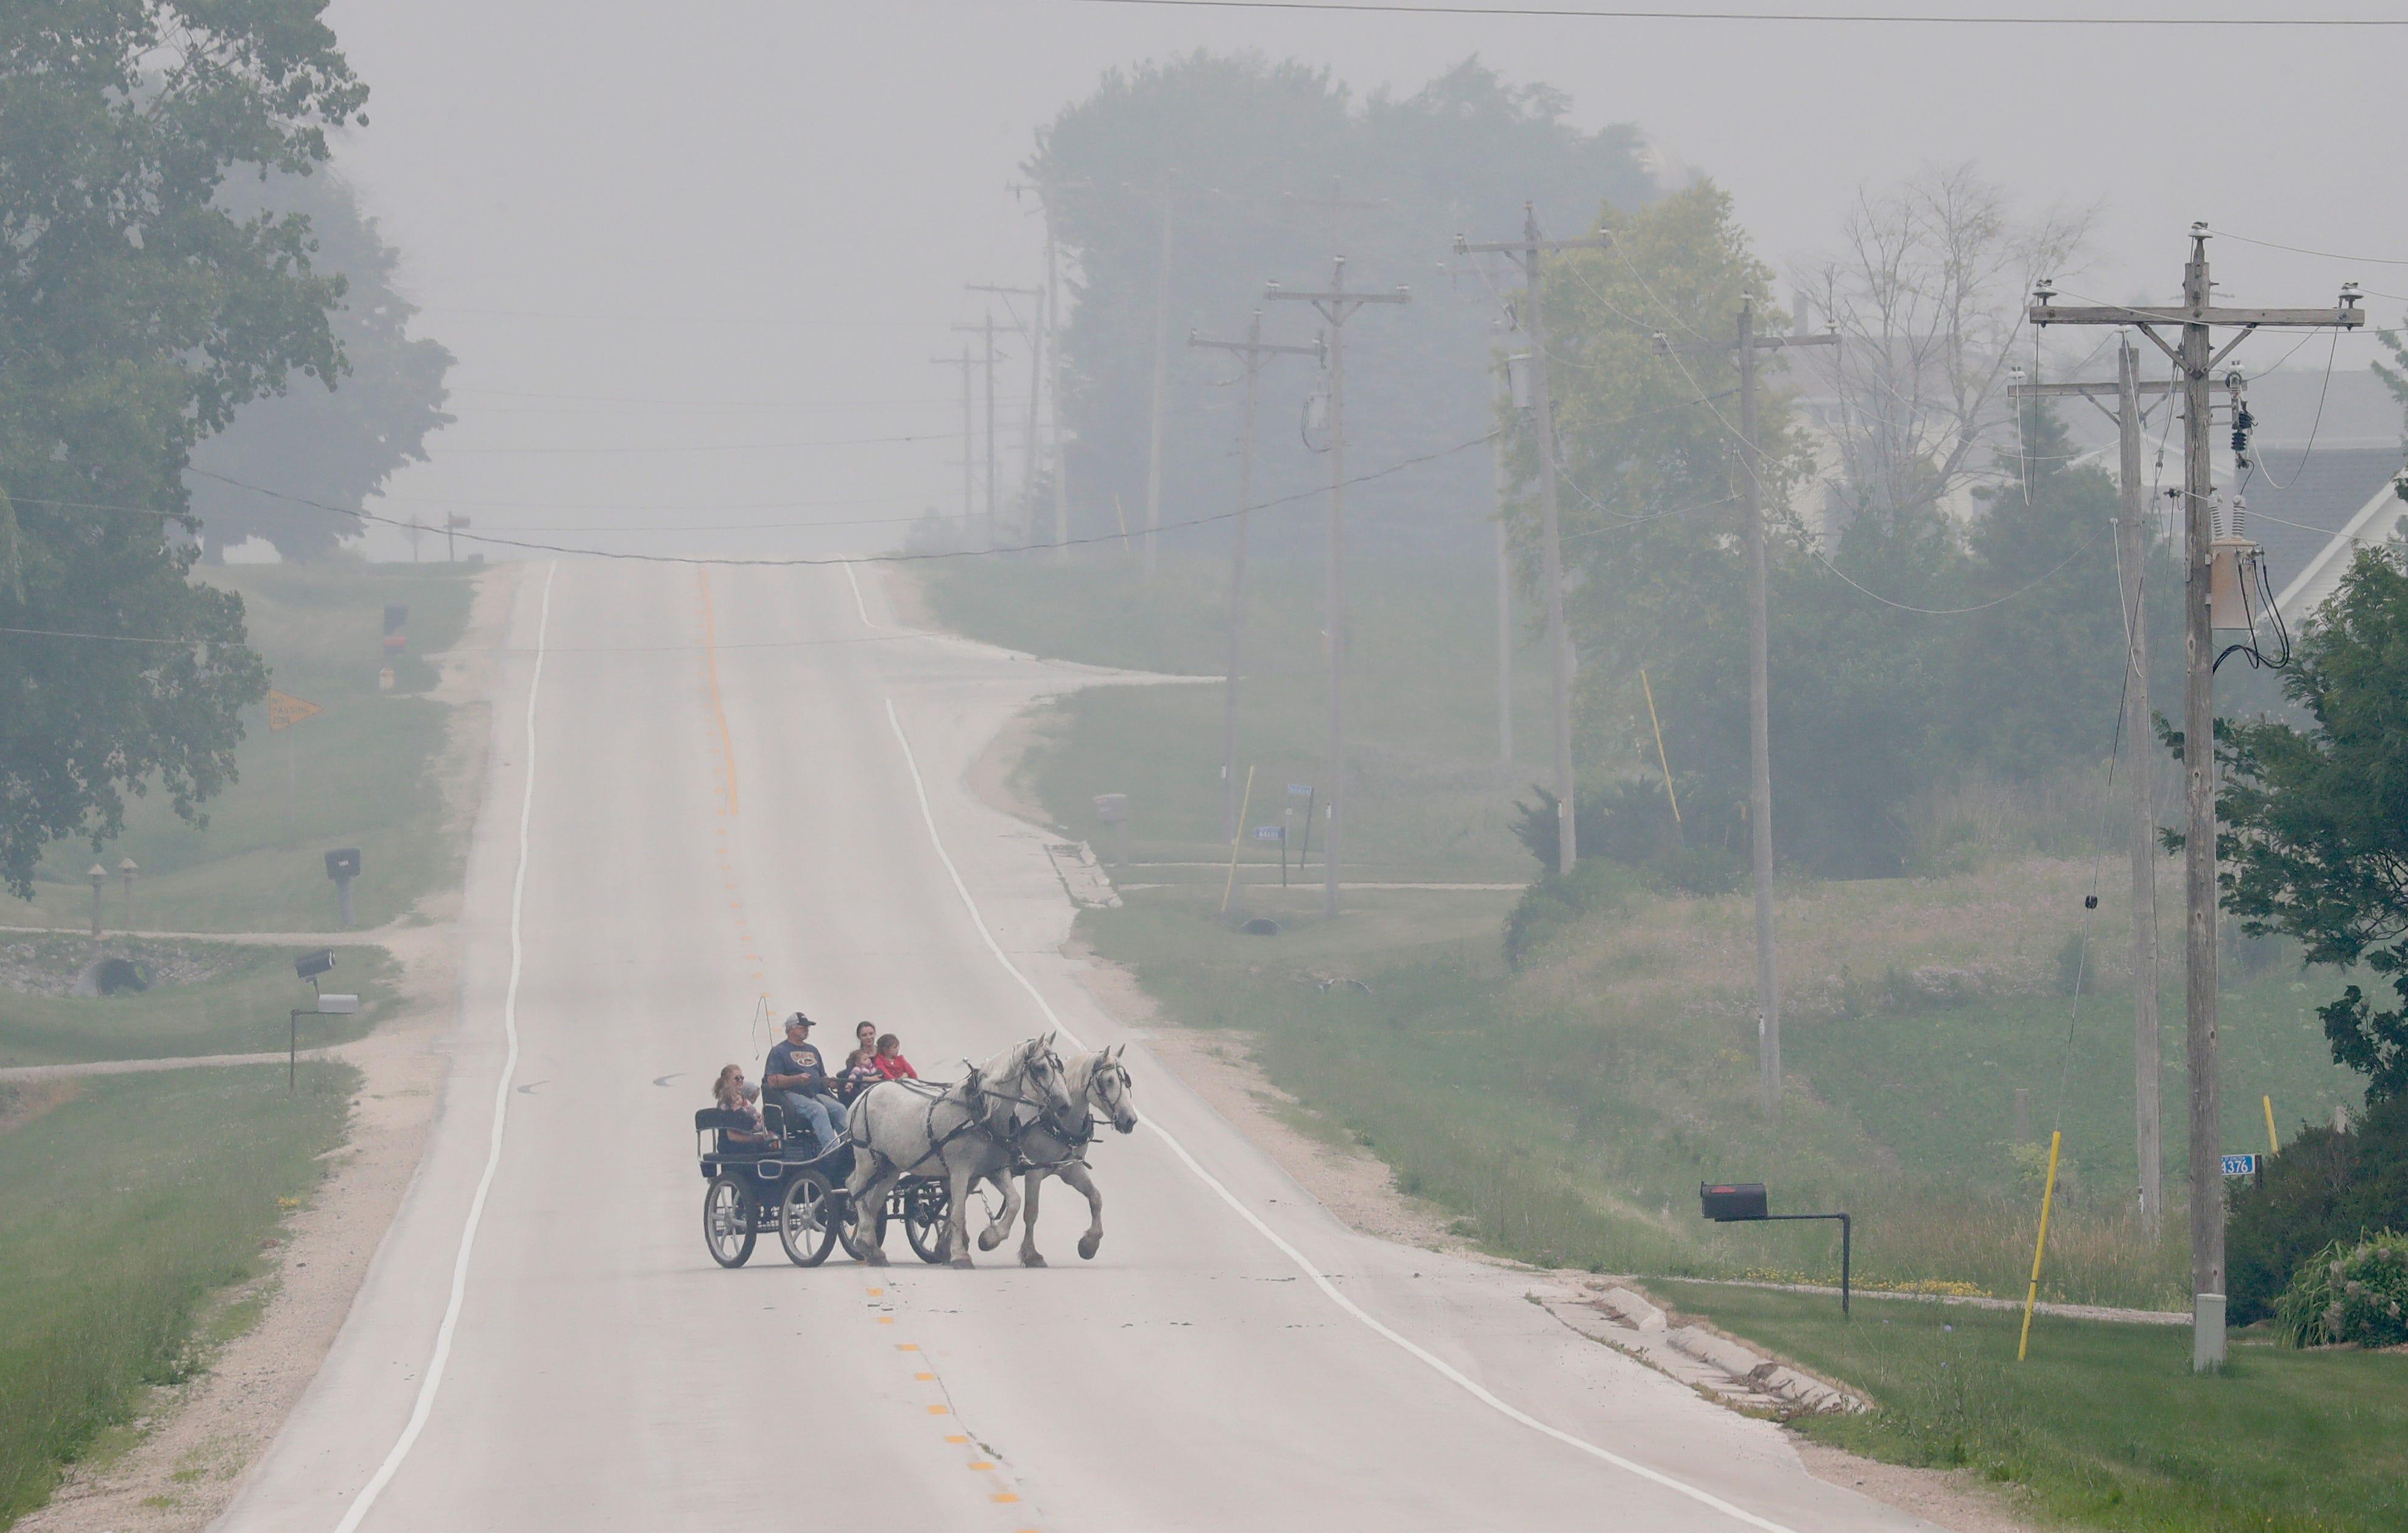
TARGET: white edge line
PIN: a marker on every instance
(366, 1500)
(861, 606)
(1320, 1279)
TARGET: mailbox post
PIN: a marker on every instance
(1112, 810)
(1745, 1203)
(308, 966)
(343, 866)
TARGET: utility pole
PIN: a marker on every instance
(1504, 581)
(1336, 305)
(2195, 359)
(1254, 351)
(1161, 386)
(986, 327)
(1760, 686)
(1033, 330)
(2131, 537)
(1559, 645)
(1054, 391)
(965, 364)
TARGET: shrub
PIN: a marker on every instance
(2349, 1293)
(2324, 1187)
(1596, 886)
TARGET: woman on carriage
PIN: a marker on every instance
(732, 1093)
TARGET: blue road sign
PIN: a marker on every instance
(2240, 1166)
(1299, 790)
(1271, 833)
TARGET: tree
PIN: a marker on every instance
(1927, 296)
(1652, 517)
(2317, 819)
(136, 316)
(2035, 681)
(334, 445)
(1239, 146)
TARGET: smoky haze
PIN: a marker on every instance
(690, 260)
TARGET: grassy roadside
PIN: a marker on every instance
(360, 774)
(126, 1211)
(2105, 1424)
(238, 1007)
(1567, 1114)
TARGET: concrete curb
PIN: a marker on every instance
(1714, 1366)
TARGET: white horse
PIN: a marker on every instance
(1050, 1144)
(963, 1133)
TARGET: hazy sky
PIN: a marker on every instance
(689, 256)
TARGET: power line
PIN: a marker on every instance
(902, 557)
(703, 447)
(1960, 611)
(1846, 17)
(2302, 249)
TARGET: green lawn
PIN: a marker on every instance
(1429, 797)
(356, 775)
(244, 1008)
(125, 1211)
(1931, 1083)
(2105, 1424)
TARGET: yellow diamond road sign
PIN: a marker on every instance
(284, 711)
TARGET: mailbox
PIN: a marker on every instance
(311, 965)
(1728, 1202)
(343, 862)
(1111, 808)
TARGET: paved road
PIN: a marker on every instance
(706, 824)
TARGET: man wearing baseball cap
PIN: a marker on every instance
(797, 1078)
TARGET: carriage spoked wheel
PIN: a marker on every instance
(727, 1222)
(808, 1219)
(927, 1206)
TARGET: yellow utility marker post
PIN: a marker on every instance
(1662, 760)
(2048, 1194)
(1230, 887)
(2274, 1145)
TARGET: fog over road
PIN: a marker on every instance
(722, 805)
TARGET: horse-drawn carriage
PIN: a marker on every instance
(778, 1184)
(929, 1148)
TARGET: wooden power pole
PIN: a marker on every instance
(2195, 357)
(1528, 250)
(965, 363)
(1254, 352)
(1034, 332)
(1336, 305)
(986, 327)
(1161, 404)
(1760, 686)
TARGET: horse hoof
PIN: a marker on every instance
(1088, 1245)
(963, 1264)
(874, 1258)
(1030, 1258)
(989, 1240)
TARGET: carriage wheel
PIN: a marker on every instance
(807, 1219)
(727, 1222)
(927, 1206)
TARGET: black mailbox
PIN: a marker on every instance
(311, 965)
(343, 862)
(1728, 1202)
